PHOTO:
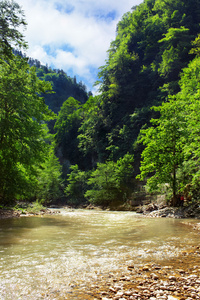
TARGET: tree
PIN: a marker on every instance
(66, 127)
(171, 155)
(49, 181)
(196, 46)
(164, 147)
(93, 131)
(22, 133)
(110, 182)
(11, 18)
(190, 96)
(76, 185)
(175, 47)
(144, 61)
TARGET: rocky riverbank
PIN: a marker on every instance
(9, 213)
(152, 210)
(179, 278)
(160, 211)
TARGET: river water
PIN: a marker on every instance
(57, 256)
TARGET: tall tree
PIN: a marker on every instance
(164, 142)
(66, 127)
(11, 19)
(171, 155)
(93, 131)
(22, 133)
(22, 110)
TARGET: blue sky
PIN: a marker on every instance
(73, 35)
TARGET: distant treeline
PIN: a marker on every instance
(63, 85)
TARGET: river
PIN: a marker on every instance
(60, 256)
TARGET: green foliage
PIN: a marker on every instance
(164, 142)
(29, 168)
(175, 47)
(68, 118)
(171, 153)
(11, 19)
(66, 127)
(22, 134)
(76, 185)
(49, 181)
(137, 61)
(151, 52)
(63, 87)
(109, 182)
(190, 94)
(92, 132)
(34, 208)
(196, 46)
(151, 47)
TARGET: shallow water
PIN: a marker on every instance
(53, 257)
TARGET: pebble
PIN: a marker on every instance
(117, 287)
(150, 282)
(128, 293)
(173, 278)
(120, 294)
(154, 276)
(145, 268)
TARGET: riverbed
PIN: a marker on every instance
(77, 254)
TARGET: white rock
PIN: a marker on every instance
(119, 294)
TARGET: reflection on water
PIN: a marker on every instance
(40, 256)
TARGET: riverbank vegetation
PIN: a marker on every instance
(138, 137)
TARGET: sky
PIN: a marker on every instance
(73, 35)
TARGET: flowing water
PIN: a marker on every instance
(54, 257)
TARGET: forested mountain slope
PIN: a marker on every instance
(63, 85)
(152, 47)
(144, 61)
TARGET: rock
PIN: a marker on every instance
(104, 293)
(157, 267)
(125, 278)
(145, 268)
(172, 278)
(112, 289)
(154, 276)
(131, 267)
(117, 287)
(120, 294)
(154, 210)
(193, 277)
(128, 293)
(149, 208)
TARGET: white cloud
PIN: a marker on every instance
(73, 35)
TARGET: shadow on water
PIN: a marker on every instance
(12, 229)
